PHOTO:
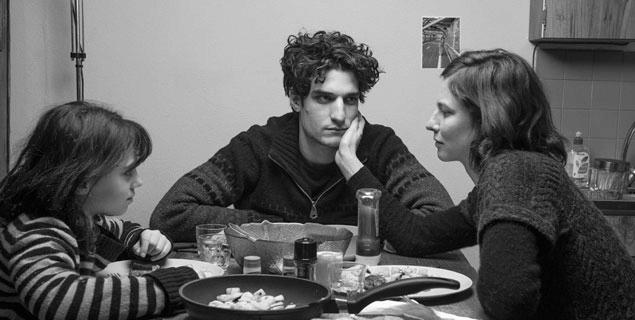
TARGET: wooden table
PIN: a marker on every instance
(461, 304)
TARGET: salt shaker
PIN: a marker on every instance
(288, 266)
(251, 264)
(305, 257)
(368, 242)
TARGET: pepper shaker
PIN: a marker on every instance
(305, 257)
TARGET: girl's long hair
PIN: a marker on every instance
(72, 144)
(506, 102)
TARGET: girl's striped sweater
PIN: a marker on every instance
(44, 276)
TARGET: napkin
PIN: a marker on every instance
(412, 310)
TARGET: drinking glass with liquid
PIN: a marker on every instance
(212, 245)
(347, 279)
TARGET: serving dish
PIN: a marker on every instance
(273, 241)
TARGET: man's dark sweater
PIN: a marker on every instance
(263, 175)
(546, 251)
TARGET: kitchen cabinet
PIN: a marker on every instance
(582, 21)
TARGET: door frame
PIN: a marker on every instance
(4, 87)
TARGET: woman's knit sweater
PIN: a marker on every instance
(44, 276)
(546, 251)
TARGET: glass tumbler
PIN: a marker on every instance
(212, 245)
(347, 278)
(608, 179)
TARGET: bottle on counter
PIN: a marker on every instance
(251, 265)
(305, 258)
(368, 242)
(578, 162)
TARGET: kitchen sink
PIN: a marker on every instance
(623, 207)
(621, 216)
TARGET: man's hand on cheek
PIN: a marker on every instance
(346, 155)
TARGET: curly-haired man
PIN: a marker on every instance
(306, 165)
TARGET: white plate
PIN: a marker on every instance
(464, 282)
(123, 267)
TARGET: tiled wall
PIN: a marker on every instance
(593, 92)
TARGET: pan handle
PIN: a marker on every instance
(398, 288)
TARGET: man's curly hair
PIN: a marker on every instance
(309, 57)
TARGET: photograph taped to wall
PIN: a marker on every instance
(440, 41)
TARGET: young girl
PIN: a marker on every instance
(58, 222)
(546, 252)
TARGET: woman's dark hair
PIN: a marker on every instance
(506, 102)
(309, 57)
(71, 144)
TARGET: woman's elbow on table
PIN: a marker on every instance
(509, 284)
(500, 303)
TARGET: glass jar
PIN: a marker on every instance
(608, 179)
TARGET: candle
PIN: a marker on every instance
(322, 272)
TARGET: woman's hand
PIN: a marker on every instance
(346, 155)
(152, 243)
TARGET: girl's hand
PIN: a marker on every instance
(152, 243)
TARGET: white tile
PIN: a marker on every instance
(603, 124)
(628, 68)
(607, 65)
(601, 148)
(628, 96)
(549, 63)
(554, 89)
(605, 95)
(577, 94)
(574, 120)
(578, 65)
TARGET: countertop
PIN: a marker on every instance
(616, 207)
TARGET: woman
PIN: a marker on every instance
(546, 252)
(59, 225)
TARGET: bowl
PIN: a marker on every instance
(273, 241)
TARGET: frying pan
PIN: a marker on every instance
(311, 298)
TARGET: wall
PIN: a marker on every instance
(591, 91)
(197, 72)
(41, 72)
